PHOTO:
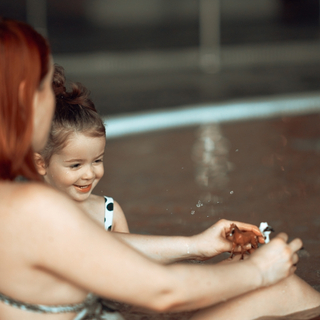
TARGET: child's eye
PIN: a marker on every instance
(99, 160)
(75, 165)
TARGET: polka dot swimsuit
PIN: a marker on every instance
(108, 213)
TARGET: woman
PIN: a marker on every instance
(53, 255)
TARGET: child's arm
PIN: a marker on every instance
(120, 223)
(203, 246)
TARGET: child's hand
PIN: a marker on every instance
(213, 241)
(277, 259)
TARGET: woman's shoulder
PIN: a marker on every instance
(31, 198)
(27, 191)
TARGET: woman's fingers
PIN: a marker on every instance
(295, 244)
(295, 259)
(282, 236)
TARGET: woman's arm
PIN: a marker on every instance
(169, 249)
(65, 242)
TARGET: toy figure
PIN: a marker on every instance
(265, 230)
(241, 238)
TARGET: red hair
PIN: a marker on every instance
(24, 58)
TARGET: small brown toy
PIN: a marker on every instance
(241, 238)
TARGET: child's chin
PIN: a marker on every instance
(80, 196)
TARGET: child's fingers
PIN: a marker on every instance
(243, 227)
(248, 227)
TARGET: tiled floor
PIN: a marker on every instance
(182, 181)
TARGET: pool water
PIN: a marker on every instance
(181, 181)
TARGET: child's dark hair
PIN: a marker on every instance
(75, 112)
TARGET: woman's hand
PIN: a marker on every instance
(277, 259)
(213, 241)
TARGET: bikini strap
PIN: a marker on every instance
(108, 213)
(44, 308)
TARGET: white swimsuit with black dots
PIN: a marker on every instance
(108, 213)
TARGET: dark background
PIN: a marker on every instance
(132, 29)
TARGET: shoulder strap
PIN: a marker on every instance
(108, 213)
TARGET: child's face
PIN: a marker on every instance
(78, 167)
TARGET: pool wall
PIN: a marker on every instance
(237, 110)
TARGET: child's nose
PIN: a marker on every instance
(89, 173)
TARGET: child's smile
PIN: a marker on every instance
(78, 167)
(84, 189)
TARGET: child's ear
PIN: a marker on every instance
(40, 164)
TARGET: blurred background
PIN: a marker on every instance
(145, 55)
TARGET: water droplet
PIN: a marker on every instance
(193, 212)
(199, 204)
(231, 192)
(237, 150)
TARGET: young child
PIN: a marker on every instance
(72, 160)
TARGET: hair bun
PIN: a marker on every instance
(77, 95)
(59, 82)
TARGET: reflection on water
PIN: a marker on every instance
(210, 154)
